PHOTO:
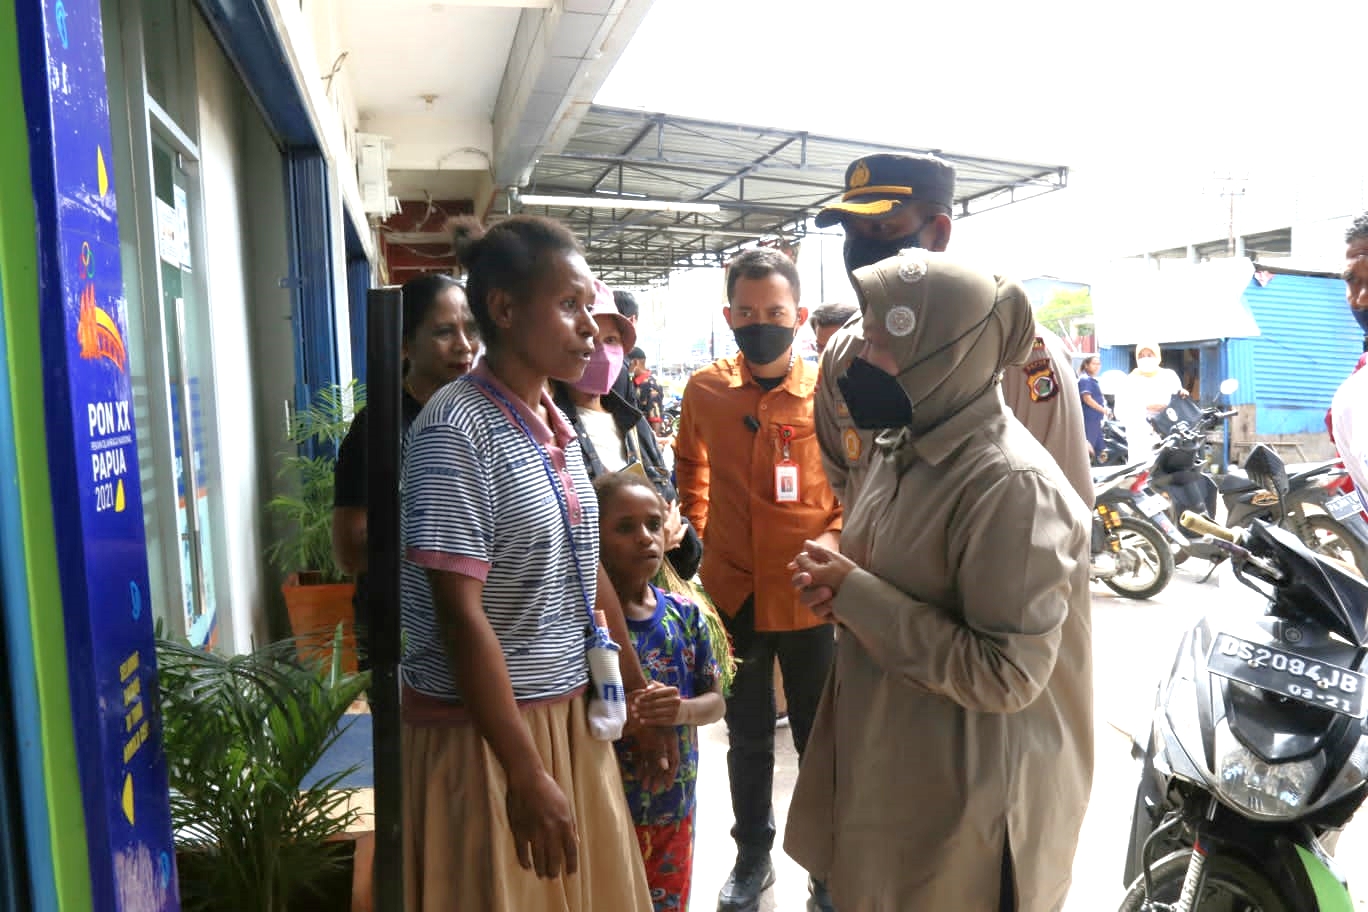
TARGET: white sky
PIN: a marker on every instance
(1146, 103)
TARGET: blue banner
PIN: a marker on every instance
(96, 495)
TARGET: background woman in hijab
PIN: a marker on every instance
(1146, 393)
(951, 760)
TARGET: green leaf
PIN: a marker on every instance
(305, 511)
(241, 733)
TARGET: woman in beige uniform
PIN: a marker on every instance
(951, 760)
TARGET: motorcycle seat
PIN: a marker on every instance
(1104, 474)
(1236, 482)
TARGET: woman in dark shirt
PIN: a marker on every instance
(1094, 405)
(440, 342)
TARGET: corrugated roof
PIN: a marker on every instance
(767, 182)
(1309, 344)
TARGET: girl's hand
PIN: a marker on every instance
(817, 568)
(674, 528)
(658, 705)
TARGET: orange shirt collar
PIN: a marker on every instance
(800, 381)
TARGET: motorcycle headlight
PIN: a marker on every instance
(1268, 790)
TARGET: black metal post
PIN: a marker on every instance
(384, 320)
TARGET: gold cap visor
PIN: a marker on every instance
(838, 211)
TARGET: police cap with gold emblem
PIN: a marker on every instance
(878, 184)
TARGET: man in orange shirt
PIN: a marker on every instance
(751, 482)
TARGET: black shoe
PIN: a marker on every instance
(819, 900)
(751, 876)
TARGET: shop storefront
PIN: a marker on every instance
(173, 263)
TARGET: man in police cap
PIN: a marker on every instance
(890, 203)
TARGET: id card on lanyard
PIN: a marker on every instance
(786, 478)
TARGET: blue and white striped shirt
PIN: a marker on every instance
(477, 501)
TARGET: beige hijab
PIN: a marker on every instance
(952, 328)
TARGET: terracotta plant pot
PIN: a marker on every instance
(315, 610)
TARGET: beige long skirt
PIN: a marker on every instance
(458, 849)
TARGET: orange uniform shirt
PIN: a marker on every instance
(731, 438)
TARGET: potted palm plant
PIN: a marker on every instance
(317, 597)
(242, 734)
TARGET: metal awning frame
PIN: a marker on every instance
(766, 182)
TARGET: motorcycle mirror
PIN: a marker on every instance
(1266, 469)
(1229, 385)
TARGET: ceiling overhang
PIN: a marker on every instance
(763, 182)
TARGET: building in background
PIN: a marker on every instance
(194, 205)
(1284, 333)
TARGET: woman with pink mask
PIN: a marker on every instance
(614, 434)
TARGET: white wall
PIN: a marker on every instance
(224, 181)
(246, 227)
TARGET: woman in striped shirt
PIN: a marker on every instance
(511, 805)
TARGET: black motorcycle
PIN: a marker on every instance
(1319, 509)
(1258, 749)
(1177, 471)
(669, 418)
(1115, 449)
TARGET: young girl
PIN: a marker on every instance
(671, 636)
(511, 804)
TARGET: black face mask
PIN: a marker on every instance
(875, 398)
(1362, 317)
(763, 343)
(860, 251)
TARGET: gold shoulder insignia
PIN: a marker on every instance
(1040, 375)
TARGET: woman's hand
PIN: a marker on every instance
(818, 573)
(544, 832)
(674, 527)
(657, 705)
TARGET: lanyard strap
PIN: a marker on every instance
(562, 498)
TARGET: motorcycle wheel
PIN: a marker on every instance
(1229, 885)
(1324, 535)
(1145, 564)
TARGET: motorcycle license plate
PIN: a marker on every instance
(1286, 673)
(1152, 505)
(1344, 506)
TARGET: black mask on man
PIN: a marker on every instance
(861, 251)
(875, 398)
(1362, 317)
(763, 343)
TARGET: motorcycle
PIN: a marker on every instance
(1322, 507)
(1115, 449)
(1129, 519)
(1258, 751)
(669, 418)
(1176, 470)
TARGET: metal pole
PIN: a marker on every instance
(384, 319)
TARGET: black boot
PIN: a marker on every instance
(752, 875)
(819, 900)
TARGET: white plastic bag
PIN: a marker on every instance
(608, 703)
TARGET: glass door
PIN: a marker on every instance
(188, 370)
